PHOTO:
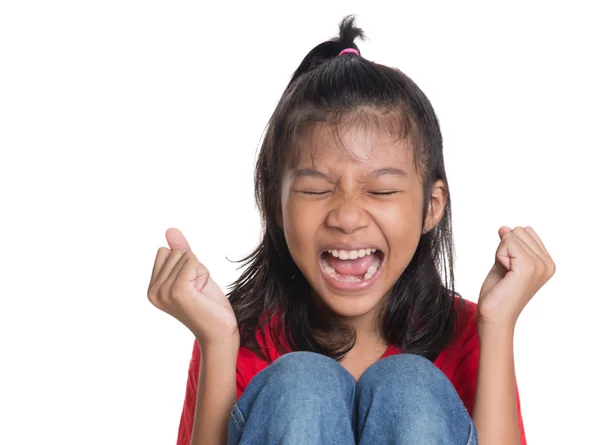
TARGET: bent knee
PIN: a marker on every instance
(310, 371)
(409, 373)
(413, 386)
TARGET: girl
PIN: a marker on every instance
(345, 326)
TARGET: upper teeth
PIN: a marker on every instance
(351, 254)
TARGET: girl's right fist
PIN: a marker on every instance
(181, 286)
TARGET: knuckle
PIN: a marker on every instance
(163, 294)
(179, 282)
(190, 256)
(540, 268)
(552, 268)
(529, 268)
(154, 298)
(177, 291)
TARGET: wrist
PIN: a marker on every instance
(228, 347)
(496, 323)
(496, 330)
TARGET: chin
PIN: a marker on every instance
(350, 306)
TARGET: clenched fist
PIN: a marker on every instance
(522, 266)
(181, 286)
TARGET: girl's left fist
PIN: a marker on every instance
(522, 266)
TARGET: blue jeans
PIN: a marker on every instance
(306, 398)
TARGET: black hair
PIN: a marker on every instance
(419, 314)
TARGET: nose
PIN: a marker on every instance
(348, 215)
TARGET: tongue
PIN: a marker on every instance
(356, 267)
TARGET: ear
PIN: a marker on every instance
(437, 205)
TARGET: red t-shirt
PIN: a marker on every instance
(458, 361)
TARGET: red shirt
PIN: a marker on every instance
(458, 361)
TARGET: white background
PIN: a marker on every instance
(120, 119)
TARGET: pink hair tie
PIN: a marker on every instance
(348, 50)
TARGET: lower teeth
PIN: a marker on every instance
(350, 278)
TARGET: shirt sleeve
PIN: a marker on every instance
(186, 423)
(466, 373)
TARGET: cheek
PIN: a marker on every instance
(401, 219)
(401, 226)
(300, 224)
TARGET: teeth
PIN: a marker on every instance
(367, 276)
(351, 254)
(372, 269)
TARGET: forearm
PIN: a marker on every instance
(495, 410)
(216, 395)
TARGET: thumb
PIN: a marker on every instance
(503, 231)
(502, 256)
(201, 279)
(176, 239)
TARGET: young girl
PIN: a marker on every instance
(345, 327)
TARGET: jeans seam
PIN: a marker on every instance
(236, 412)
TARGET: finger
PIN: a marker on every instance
(190, 273)
(513, 251)
(178, 272)
(503, 231)
(528, 240)
(159, 261)
(176, 239)
(522, 257)
(545, 256)
(176, 268)
(502, 255)
(537, 239)
(170, 263)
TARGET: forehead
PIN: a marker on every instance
(336, 147)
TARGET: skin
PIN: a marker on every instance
(522, 265)
(181, 286)
(349, 210)
(333, 195)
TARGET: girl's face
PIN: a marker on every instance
(352, 216)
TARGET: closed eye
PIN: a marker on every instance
(306, 192)
(383, 193)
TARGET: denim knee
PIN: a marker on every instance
(412, 393)
(411, 372)
(301, 398)
(308, 372)
(302, 379)
(413, 378)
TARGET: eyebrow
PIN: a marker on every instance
(389, 171)
(378, 173)
(311, 173)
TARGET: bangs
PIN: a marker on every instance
(342, 93)
(302, 130)
(334, 93)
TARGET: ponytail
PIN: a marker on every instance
(332, 48)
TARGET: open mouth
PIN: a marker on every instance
(351, 266)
